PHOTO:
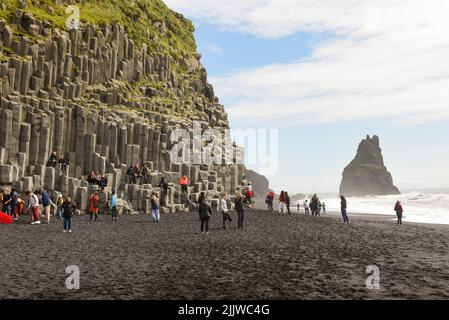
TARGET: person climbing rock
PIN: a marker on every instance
(184, 182)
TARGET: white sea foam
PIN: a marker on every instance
(418, 206)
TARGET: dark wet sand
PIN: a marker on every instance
(274, 257)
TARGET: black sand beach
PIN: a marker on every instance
(274, 257)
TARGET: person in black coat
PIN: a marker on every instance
(205, 213)
(68, 209)
(239, 207)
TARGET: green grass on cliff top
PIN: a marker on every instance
(137, 16)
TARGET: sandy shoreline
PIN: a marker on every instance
(274, 257)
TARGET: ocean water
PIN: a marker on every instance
(421, 207)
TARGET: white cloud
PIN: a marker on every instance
(389, 61)
(213, 48)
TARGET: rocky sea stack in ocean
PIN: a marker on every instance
(367, 174)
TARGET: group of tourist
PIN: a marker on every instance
(137, 175)
(96, 178)
(225, 207)
(55, 160)
(314, 207)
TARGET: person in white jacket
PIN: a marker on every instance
(224, 209)
(33, 204)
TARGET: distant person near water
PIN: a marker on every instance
(287, 202)
(282, 201)
(306, 207)
(323, 206)
(314, 205)
(344, 207)
(399, 211)
(269, 201)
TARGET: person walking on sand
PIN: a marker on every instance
(7, 203)
(33, 204)
(306, 207)
(205, 212)
(399, 211)
(114, 204)
(225, 210)
(67, 212)
(282, 202)
(344, 206)
(59, 203)
(94, 202)
(14, 203)
(239, 207)
(323, 206)
(46, 203)
(155, 204)
(269, 200)
(287, 202)
(314, 205)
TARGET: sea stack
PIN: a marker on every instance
(367, 174)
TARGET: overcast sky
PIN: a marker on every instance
(326, 73)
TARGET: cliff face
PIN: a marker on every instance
(367, 174)
(106, 95)
(259, 183)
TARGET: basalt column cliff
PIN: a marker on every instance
(367, 174)
(105, 95)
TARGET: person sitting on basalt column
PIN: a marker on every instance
(103, 183)
(130, 174)
(62, 163)
(137, 174)
(145, 173)
(91, 178)
(53, 160)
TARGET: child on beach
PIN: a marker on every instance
(94, 202)
(114, 203)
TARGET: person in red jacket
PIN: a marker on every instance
(184, 182)
(399, 210)
(269, 200)
(94, 202)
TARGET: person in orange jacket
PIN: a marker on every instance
(184, 182)
(94, 201)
